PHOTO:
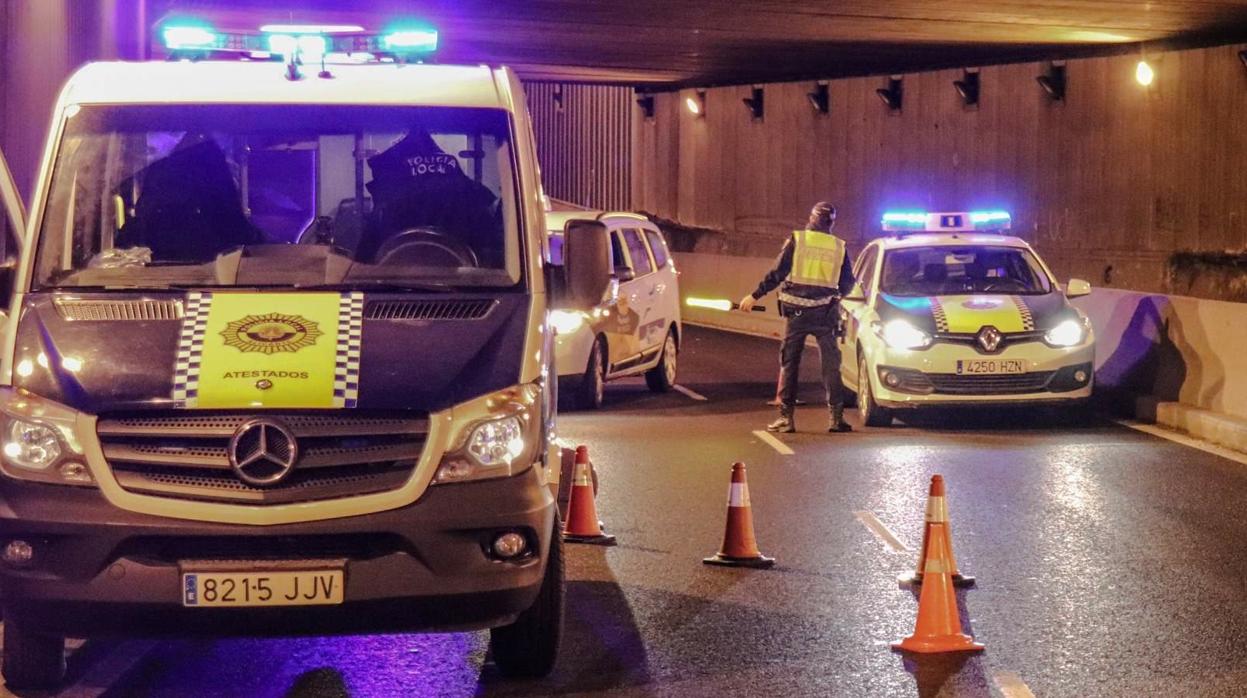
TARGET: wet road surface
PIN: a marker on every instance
(1109, 563)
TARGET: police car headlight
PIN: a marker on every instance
(38, 441)
(566, 321)
(1068, 333)
(900, 334)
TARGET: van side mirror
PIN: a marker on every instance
(1077, 288)
(624, 274)
(857, 293)
(586, 263)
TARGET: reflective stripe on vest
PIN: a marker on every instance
(816, 258)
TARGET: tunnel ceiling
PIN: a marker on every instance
(709, 42)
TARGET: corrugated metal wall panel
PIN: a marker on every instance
(585, 145)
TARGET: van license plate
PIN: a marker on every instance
(988, 367)
(285, 588)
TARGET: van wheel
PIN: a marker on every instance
(872, 414)
(31, 660)
(592, 389)
(528, 647)
(661, 378)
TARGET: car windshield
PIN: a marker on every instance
(281, 195)
(953, 270)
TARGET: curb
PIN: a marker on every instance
(1214, 427)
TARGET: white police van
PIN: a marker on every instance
(950, 310)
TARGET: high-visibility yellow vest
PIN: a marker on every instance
(816, 258)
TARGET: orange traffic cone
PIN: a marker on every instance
(582, 515)
(740, 548)
(937, 513)
(939, 626)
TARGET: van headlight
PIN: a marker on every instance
(566, 322)
(1067, 333)
(500, 437)
(38, 441)
(901, 334)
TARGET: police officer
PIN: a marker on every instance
(812, 273)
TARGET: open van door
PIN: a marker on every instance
(12, 236)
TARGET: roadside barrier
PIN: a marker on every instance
(937, 513)
(582, 524)
(938, 628)
(740, 547)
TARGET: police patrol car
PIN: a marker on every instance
(949, 310)
(635, 330)
(278, 359)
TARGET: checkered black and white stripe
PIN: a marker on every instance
(190, 349)
(1028, 321)
(937, 313)
(350, 338)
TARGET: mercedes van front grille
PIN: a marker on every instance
(187, 456)
(429, 310)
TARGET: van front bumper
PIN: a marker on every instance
(97, 569)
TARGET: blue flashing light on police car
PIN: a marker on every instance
(184, 38)
(301, 42)
(411, 41)
(946, 222)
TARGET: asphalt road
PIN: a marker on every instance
(1109, 563)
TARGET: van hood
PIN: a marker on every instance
(113, 352)
(967, 314)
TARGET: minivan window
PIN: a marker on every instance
(658, 247)
(636, 250)
(281, 195)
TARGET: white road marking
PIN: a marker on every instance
(1180, 438)
(773, 442)
(883, 533)
(690, 393)
(1011, 685)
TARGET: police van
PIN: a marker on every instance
(277, 358)
(635, 329)
(950, 310)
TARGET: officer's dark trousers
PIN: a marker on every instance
(821, 323)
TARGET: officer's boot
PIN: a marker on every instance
(837, 420)
(785, 424)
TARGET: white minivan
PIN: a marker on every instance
(635, 329)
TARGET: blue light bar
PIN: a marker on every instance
(312, 29)
(922, 221)
(911, 217)
(411, 41)
(182, 38)
(981, 217)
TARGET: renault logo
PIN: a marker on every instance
(262, 452)
(989, 338)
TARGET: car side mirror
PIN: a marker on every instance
(586, 263)
(624, 273)
(1077, 288)
(857, 293)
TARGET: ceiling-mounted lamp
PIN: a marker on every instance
(1144, 74)
(696, 103)
(1053, 82)
(892, 95)
(646, 103)
(756, 103)
(968, 87)
(820, 98)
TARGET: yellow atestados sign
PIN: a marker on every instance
(268, 350)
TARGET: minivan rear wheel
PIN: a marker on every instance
(32, 660)
(661, 378)
(529, 647)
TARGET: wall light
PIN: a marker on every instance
(968, 88)
(820, 98)
(1242, 56)
(558, 98)
(1053, 82)
(696, 103)
(756, 103)
(892, 95)
(646, 103)
(1144, 74)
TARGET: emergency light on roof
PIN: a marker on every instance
(921, 221)
(306, 41)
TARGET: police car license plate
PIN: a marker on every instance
(278, 588)
(988, 367)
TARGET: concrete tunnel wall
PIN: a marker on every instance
(1107, 184)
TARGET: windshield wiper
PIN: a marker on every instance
(380, 285)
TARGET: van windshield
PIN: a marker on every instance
(281, 195)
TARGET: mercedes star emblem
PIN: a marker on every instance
(262, 452)
(989, 338)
